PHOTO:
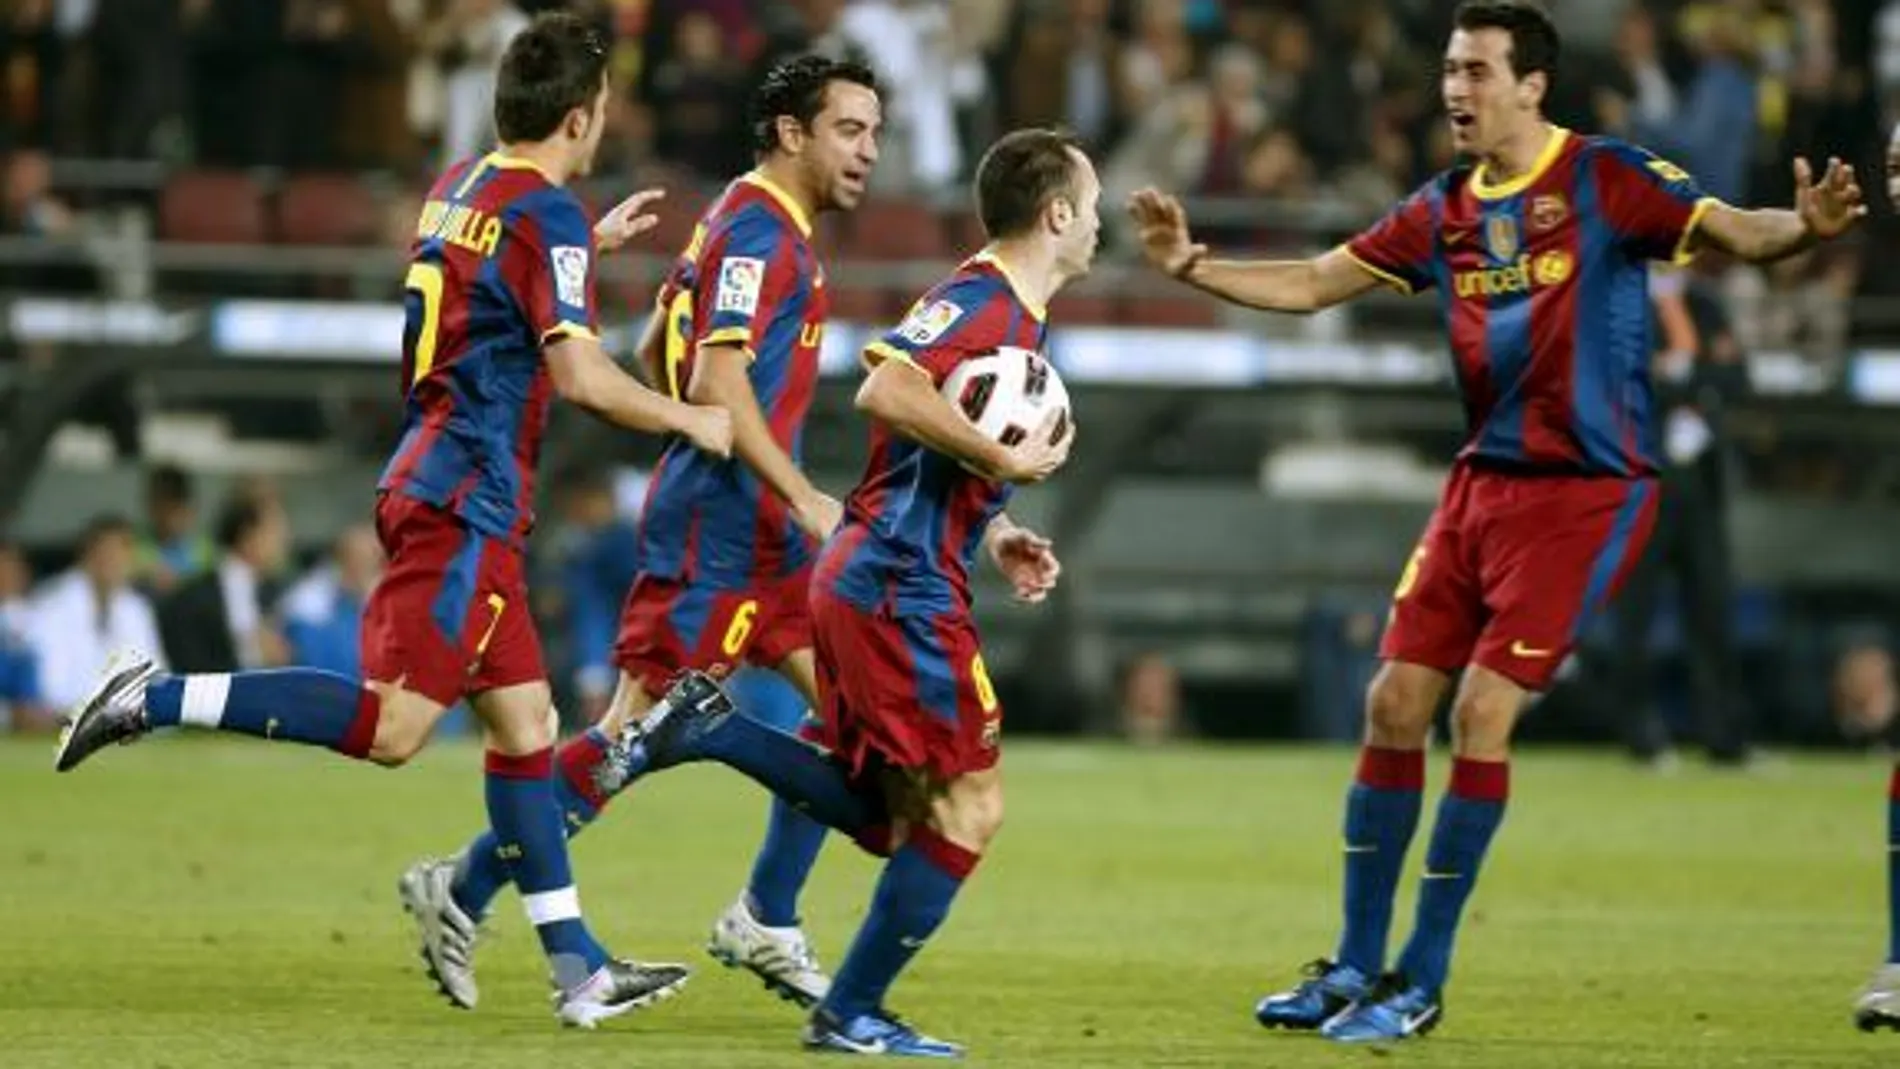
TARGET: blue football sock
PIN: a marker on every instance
(304, 705)
(578, 792)
(1382, 810)
(1468, 816)
(912, 899)
(527, 823)
(792, 843)
(799, 772)
(1893, 867)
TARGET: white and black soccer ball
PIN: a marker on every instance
(1009, 393)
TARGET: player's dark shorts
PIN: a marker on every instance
(907, 691)
(450, 615)
(670, 625)
(1513, 567)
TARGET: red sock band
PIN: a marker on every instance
(1893, 785)
(578, 760)
(1392, 770)
(946, 855)
(536, 765)
(1481, 781)
(361, 734)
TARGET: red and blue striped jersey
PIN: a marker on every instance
(749, 279)
(503, 262)
(913, 524)
(1543, 285)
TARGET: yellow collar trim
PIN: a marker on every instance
(505, 162)
(1553, 147)
(785, 200)
(988, 256)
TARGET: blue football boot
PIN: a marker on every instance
(880, 1033)
(1393, 1010)
(1327, 989)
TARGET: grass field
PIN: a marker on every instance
(187, 904)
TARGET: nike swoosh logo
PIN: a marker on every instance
(1355, 848)
(1415, 1021)
(910, 942)
(1518, 649)
(1430, 875)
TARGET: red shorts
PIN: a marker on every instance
(670, 625)
(1512, 568)
(450, 615)
(905, 691)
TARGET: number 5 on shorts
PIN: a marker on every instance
(740, 629)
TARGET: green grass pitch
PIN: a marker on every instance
(190, 904)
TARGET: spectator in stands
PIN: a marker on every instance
(21, 706)
(233, 46)
(1863, 690)
(323, 49)
(31, 208)
(700, 91)
(1150, 701)
(461, 50)
(218, 622)
(323, 612)
(597, 552)
(82, 615)
(171, 550)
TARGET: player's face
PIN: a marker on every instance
(1082, 232)
(1485, 100)
(840, 150)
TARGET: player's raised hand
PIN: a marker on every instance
(709, 427)
(627, 220)
(1161, 224)
(1832, 205)
(1028, 561)
(1037, 458)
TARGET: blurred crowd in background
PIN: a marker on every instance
(1289, 123)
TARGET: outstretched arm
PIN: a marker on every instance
(1274, 285)
(586, 376)
(1821, 211)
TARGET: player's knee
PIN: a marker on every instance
(1399, 708)
(972, 814)
(1481, 725)
(398, 739)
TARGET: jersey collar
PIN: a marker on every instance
(785, 200)
(1553, 147)
(988, 256)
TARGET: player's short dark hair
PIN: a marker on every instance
(797, 87)
(1534, 42)
(555, 65)
(243, 514)
(1020, 174)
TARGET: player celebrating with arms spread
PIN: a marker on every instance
(1539, 248)
(500, 316)
(725, 546)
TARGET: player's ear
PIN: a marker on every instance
(791, 136)
(1061, 214)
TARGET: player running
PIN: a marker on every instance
(1878, 1005)
(1539, 248)
(725, 546)
(910, 719)
(499, 316)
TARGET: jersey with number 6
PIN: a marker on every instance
(749, 279)
(502, 265)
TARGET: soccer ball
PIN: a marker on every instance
(1008, 394)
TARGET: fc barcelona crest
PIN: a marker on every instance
(1500, 237)
(1547, 211)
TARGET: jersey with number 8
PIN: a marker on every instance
(502, 265)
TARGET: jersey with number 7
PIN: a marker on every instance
(502, 264)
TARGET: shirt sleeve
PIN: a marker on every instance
(745, 275)
(553, 268)
(1400, 248)
(1652, 205)
(940, 332)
